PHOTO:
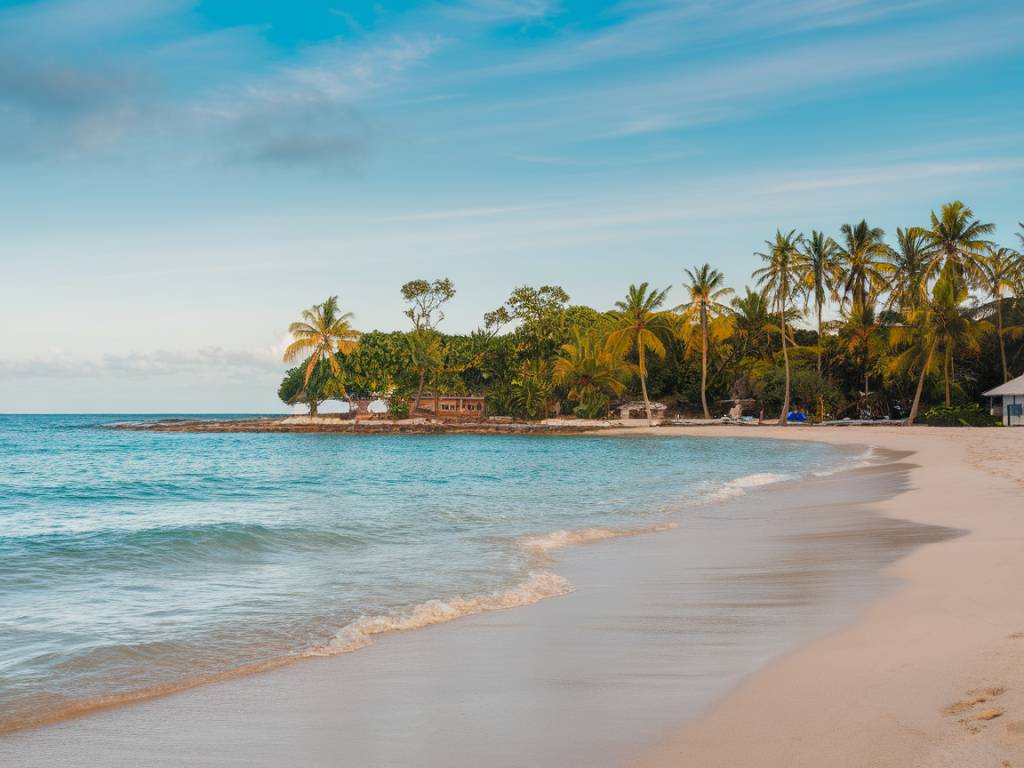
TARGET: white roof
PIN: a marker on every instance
(1012, 387)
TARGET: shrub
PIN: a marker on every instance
(969, 415)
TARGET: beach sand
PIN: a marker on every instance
(931, 674)
(870, 618)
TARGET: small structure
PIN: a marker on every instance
(454, 406)
(1010, 405)
(636, 409)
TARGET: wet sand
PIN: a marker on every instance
(931, 674)
(659, 627)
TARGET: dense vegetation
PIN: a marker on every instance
(931, 318)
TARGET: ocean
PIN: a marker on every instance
(135, 563)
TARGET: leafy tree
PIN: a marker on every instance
(912, 262)
(532, 389)
(425, 300)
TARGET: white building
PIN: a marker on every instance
(1011, 395)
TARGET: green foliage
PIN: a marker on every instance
(963, 415)
(594, 406)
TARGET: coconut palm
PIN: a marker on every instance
(590, 369)
(1000, 273)
(912, 260)
(817, 267)
(862, 258)
(706, 289)
(953, 326)
(639, 324)
(323, 331)
(958, 239)
(779, 277)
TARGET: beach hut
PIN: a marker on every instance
(453, 406)
(1007, 401)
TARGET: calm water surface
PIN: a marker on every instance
(133, 562)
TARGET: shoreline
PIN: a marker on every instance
(175, 707)
(930, 674)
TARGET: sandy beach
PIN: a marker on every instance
(932, 674)
(869, 618)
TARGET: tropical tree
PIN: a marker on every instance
(639, 324)
(859, 332)
(751, 322)
(706, 289)
(532, 388)
(912, 260)
(959, 241)
(817, 270)
(590, 369)
(779, 276)
(426, 358)
(862, 257)
(425, 300)
(953, 327)
(323, 331)
(1000, 273)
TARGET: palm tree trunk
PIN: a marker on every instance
(920, 385)
(945, 369)
(643, 384)
(704, 361)
(785, 358)
(999, 330)
(819, 336)
(312, 407)
(419, 391)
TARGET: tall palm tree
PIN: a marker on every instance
(817, 267)
(959, 240)
(638, 323)
(912, 260)
(779, 277)
(590, 369)
(953, 327)
(323, 330)
(1001, 273)
(862, 257)
(706, 290)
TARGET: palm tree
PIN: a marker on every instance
(779, 277)
(1001, 272)
(751, 321)
(706, 289)
(953, 327)
(590, 369)
(920, 353)
(912, 260)
(862, 257)
(323, 330)
(958, 239)
(860, 330)
(637, 323)
(426, 357)
(817, 269)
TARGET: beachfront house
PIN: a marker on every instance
(1007, 402)
(635, 409)
(453, 406)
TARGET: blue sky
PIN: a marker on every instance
(182, 178)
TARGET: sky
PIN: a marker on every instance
(180, 179)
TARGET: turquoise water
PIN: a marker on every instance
(136, 562)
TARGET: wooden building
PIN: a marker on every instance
(454, 406)
(1008, 402)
